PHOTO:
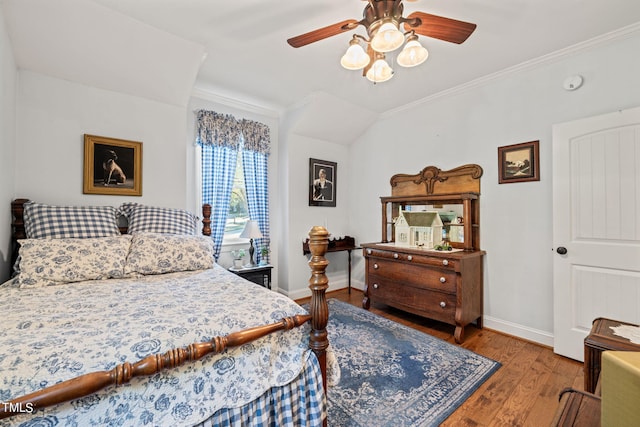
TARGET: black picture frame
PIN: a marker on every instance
(322, 194)
(519, 162)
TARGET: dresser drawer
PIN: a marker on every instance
(433, 259)
(409, 274)
(432, 304)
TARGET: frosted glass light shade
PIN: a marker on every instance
(355, 58)
(413, 54)
(380, 71)
(387, 38)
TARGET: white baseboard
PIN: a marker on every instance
(517, 330)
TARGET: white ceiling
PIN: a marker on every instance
(154, 48)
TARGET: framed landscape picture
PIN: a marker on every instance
(519, 162)
(112, 166)
(322, 182)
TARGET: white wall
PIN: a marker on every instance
(8, 77)
(467, 127)
(301, 217)
(52, 117)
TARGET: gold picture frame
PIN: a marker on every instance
(519, 162)
(112, 166)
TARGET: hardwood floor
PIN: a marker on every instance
(523, 392)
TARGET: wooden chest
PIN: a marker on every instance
(602, 338)
(444, 286)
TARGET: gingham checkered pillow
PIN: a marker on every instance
(64, 222)
(151, 219)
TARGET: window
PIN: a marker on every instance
(238, 208)
(234, 165)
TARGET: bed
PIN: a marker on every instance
(105, 324)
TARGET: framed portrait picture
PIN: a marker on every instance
(322, 182)
(112, 166)
(519, 162)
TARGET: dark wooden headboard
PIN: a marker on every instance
(18, 231)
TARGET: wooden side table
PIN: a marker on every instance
(347, 243)
(600, 339)
(260, 274)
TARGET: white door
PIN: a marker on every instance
(596, 225)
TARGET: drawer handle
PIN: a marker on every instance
(409, 258)
(375, 266)
(375, 286)
(445, 262)
(443, 304)
(395, 256)
(368, 251)
(443, 279)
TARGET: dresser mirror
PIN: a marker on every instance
(455, 190)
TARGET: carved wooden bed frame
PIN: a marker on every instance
(90, 383)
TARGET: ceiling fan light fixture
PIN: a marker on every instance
(387, 38)
(355, 58)
(387, 29)
(412, 54)
(380, 71)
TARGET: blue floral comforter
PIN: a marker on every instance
(54, 333)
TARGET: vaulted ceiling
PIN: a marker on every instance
(155, 48)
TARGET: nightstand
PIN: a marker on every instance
(260, 274)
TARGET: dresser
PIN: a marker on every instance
(444, 285)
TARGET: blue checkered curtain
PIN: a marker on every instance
(219, 136)
(255, 156)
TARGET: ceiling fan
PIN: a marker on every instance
(382, 20)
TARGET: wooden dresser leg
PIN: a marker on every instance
(366, 302)
(459, 334)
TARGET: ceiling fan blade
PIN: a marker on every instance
(323, 33)
(439, 27)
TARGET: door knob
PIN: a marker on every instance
(561, 250)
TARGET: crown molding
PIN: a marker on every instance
(252, 107)
(619, 34)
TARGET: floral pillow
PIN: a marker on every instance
(153, 253)
(46, 262)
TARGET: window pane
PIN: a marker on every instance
(238, 209)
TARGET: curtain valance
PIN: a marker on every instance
(256, 136)
(217, 129)
(225, 130)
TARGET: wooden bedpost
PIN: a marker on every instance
(17, 227)
(318, 283)
(206, 219)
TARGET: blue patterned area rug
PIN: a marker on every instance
(392, 375)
